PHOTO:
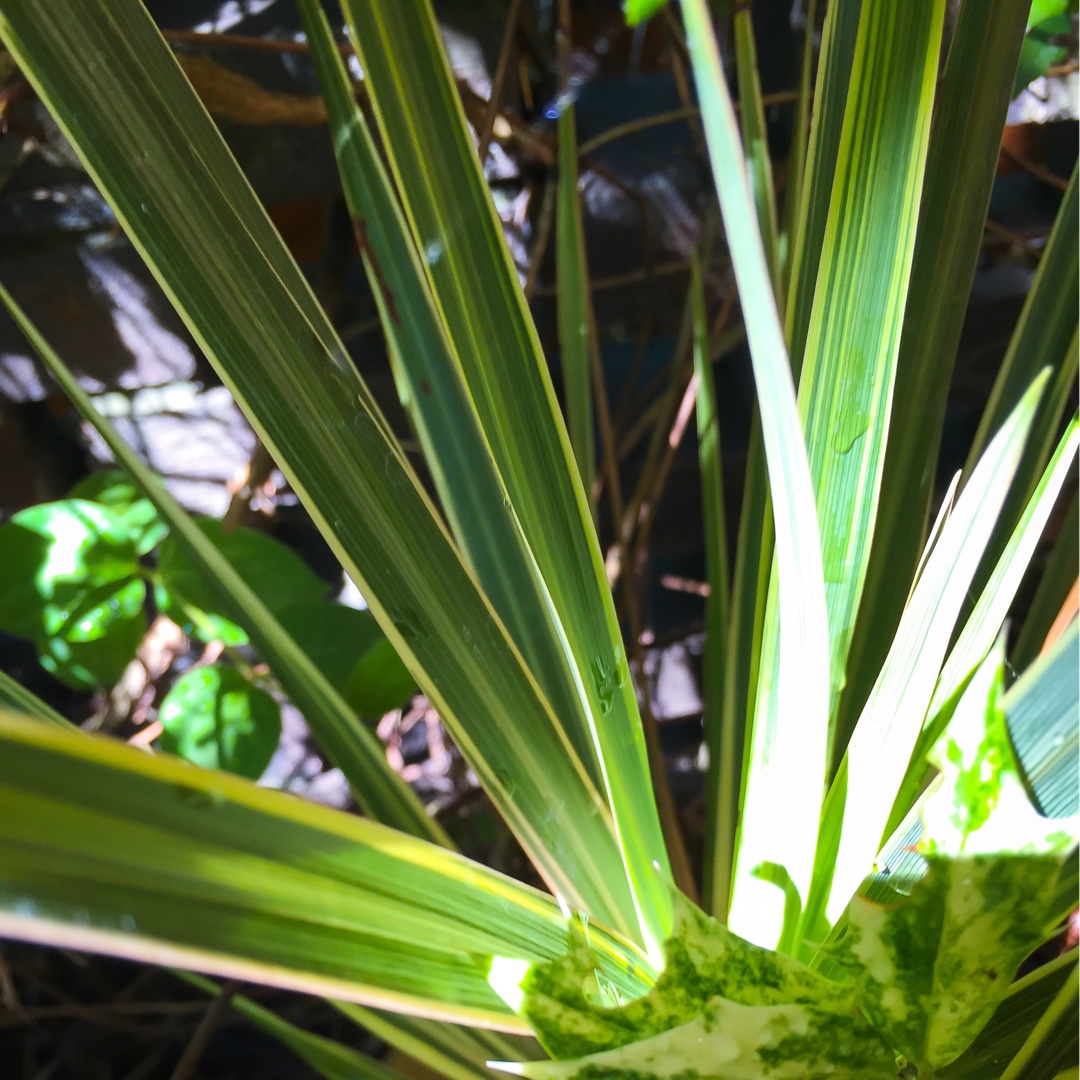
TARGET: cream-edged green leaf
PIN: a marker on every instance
(861, 797)
(853, 339)
(192, 215)
(988, 615)
(110, 849)
(791, 717)
(575, 336)
(433, 160)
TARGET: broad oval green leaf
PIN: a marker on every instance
(277, 574)
(215, 718)
(114, 489)
(334, 636)
(379, 682)
(69, 575)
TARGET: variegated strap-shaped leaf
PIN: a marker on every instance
(931, 967)
(722, 1007)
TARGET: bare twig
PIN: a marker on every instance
(499, 81)
(203, 1031)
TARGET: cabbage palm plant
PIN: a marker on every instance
(879, 856)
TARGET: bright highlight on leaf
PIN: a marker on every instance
(215, 718)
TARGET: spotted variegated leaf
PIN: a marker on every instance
(727, 1041)
(932, 966)
(721, 1008)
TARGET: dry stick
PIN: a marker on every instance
(647, 513)
(626, 395)
(242, 41)
(543, 237)
(506, 51)
(689, 112)
(203, 1030)
(1034, 169)
(632, 277)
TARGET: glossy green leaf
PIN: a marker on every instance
(379, 682)
(960, 169)
(721, 1008)
(277, 575)
(861, 797)
(477, 291)
(334, 636)
(377, 788)
(215, 718)
(177, 190)
(138, 514)
(109, 849)
(791, 714)
(932, 966)
(71, 584)
(571, 275)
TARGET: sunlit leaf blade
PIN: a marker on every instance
(960, 169)
(791, 716)
(471, 492)
(952, 944)
(723, 737)
(1012, 1023)
(1058, 578)
(454, 223)
(107, 848)
(845, 389)
(984, 623)
(178, 192)
(330, 1059)
(16, 698)
(755, 138)
(830, 101)
(755, 539)
(861, 797)
(573, 304)
(355, 750)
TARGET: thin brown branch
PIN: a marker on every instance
(498, 83)
(242, 41)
